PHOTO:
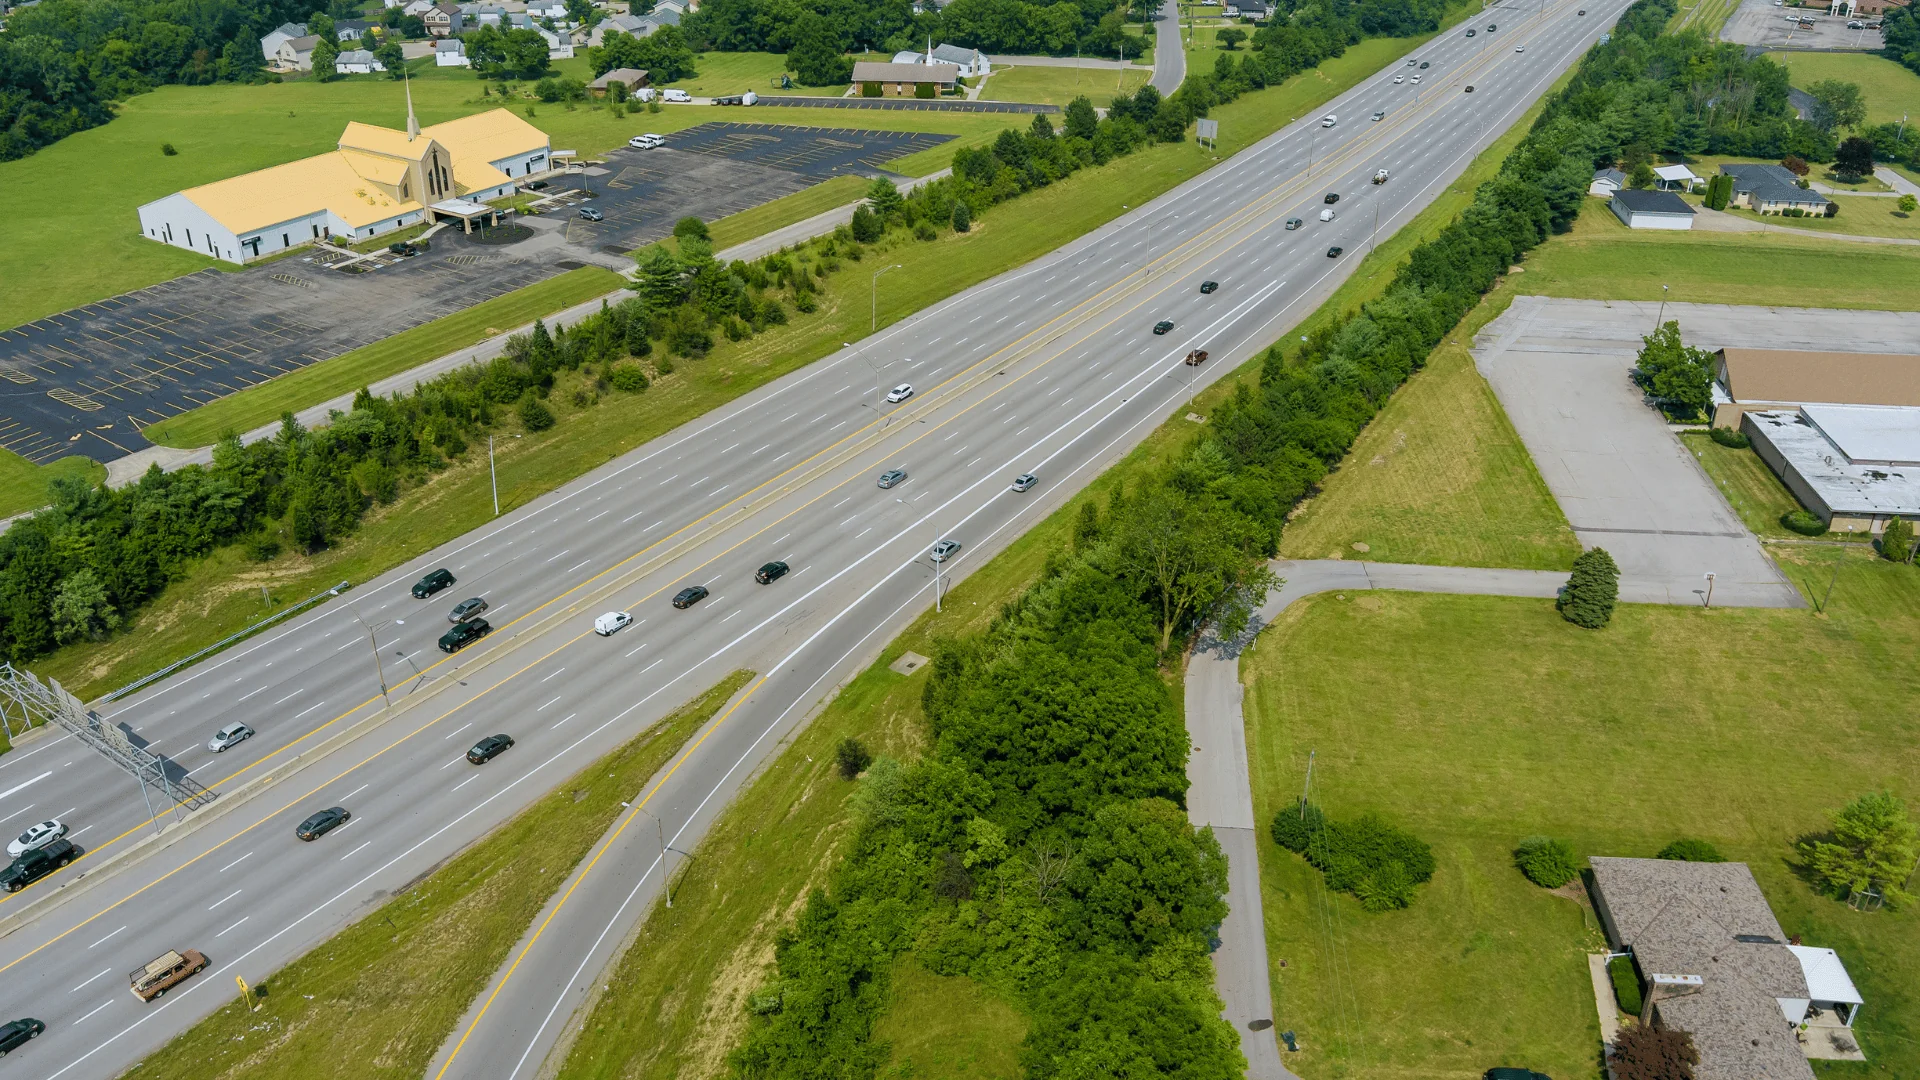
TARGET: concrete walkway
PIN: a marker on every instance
(1220, 791)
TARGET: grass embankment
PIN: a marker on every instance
(23, 485)
(1059, 85)
(384, 993)
(1890, 89)
(262, 404)
(1706, 16)
(1496, 720)
(786, 210)
(719, 73)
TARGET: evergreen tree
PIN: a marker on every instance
(1873, 849)
(1082, 121)
(962, 216)
(1896, 542)
(661, 283)
(885, 199)
(1590, 593)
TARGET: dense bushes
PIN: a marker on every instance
(1547, 863)
(1626, 984)
(1729, 438)
(1379, 864)
(1804, 522)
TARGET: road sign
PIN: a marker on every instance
(1208, 131)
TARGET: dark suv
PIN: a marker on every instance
(432, 583)
(15, 1035)
(33, 865)
(464, 634)
(768, 573)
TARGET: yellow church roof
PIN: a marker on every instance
(379, 140)
(486, 137)
(328, 181)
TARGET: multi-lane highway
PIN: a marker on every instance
(1053, 368)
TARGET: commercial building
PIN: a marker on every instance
(1749, 379)
(1857, 466)
(374, 181)
(1651, 209)
(904, 80)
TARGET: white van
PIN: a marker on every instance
(1327, 214)
(679, 96)
(1329, 120)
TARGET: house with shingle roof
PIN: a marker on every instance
(1772, 189)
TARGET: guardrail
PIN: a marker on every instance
(226, 641)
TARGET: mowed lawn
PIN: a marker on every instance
(1859, 215)
(1060, 85)
(23, 485)
(1891, 90)
(1477, 721)
(736, 73)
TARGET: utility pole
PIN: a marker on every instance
(936, 574)
(493, 476)
(1663, 310)
(873, 298)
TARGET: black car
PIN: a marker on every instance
(767, 574)
(15, 1035)
(322, 823)
(467, 609)
(592, 213)
(1209, 286)
(1469, 33)
(464, 634)
(1331, 198)
(537, 185)
(489, 748)
(1424, 65)
(402, 248)
(1505, 1073)
(689, 596)
(1491, 28)
(1163, 326)
(1469, 88)
(1334, 252)
(432, 583)
(33, 865)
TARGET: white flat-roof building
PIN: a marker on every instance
(374, 181)
(1857, 466)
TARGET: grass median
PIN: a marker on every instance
(385, 993)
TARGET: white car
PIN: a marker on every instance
(39, 836)
(1329, 120)
(899, 393)
(1327, 214)
(231, 735)
(1416, 78)
(1519, 48)
(1398, 79)
(646, 142)
(678, 96)
(612, 622)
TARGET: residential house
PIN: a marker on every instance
(296, 54)
(443, 19)
(904, 80)
(1772, 189)
(678, 7)
(1674, 178)
(1246, 9)
(1606, 182)
(1651, 209)
(971, 62)
(632, 25)
(419, 8)
(631, 78)
(485, 15)
(353, 30)
(278, 36)
(357, 62)
(547, 9)
(450, 53)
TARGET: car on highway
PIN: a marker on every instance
(1416, 80)
(37, 863)
(322, 823)
(1519, 48)
(944, 550)
(1423, 66)
(1469, 88)
(1379, 115)
(1491, 28)
(679, 97)
(1380, 176)
(771, 572)
(1331, 197)
(1209, 286)
(1024, 482)
(1329, 120)
(1398, 79)
(611, 622)
(1334, 252)
(689, 596)
(892, 477)
(1469, 33)
(15, 1035)
(1410, 63)
(228, 737)
(467, 609)
(1294, 223)
(464, 634)
(1162, 326)
(1327, 214)
(164, 972)
(38, 836)
(432, 583)
(489, 748)
(899, 393)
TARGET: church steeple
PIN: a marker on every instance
(413, 123)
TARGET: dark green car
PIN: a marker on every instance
(15, 1035)
(432, 583)
(464, 634)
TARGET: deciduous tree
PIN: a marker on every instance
(1872, 849)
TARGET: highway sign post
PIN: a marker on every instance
(1207, 131)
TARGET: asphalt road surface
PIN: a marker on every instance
(1052, 368)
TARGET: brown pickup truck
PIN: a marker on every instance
(1196, 357)
(171, 969)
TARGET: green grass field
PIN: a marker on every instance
(786, 210)
(1891, 90)
(263, 404)
(1858, 216)
(736, 73)
(1494, 719)
(1706, 16)
(1751, 489)
(385, 993)
(1058, 85)
(948, 1026)
(23, 485)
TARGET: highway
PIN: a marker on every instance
(1051, 368)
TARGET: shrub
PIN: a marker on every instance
(1804, 522)
(852, 757)
(866, 226)
(167, 150)
(870, 89)
(664, 365)
(1795, 165)
(1588, 598)
(925, 90)
(1896, 542)
(1730, 438)
(1691, 851)
(627, 377)
(534, 414)
(1547, 863)
(962, 216)
(924, 231)
(691, 226)
(1626, 984)
(804, 303)
(1376, 862)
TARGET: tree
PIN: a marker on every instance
(852, 757)
(1641, 177)
(866, 225)
(1854, 157)
(1837, 104)
(1677, 375)
(1230, 38)
(691, 227)
(1589, 595)
(1908, 204)
(535, 414)
(962, 216)
(816, 59)
(391, 58)
(325, 55)
(1082, 120)
(1795, 164)
(1193, 556)
(885, 200)
(1645, 1052)
(1547, 863)
(1872, 849)
(1896, 542)
(81, 609)
(662, 279)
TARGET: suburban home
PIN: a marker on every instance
(485, 15)
(1714, 963)
(1651, 209)
(547, 9)
(633, 25)
(678, 7)
(352, 30)
(1674, 178)
(631, 78)
(971, 62)
(904, 80)
(374, 181)
(1772, 189)
(419, 7)
(558, 47)
(443, 19)
(450, 53)
(270, 42)
(1245, 9)
(296, 54)
(357, 62)
(1606, 182)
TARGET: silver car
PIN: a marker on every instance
(467, 609)
(231, 735)
(892, 477)
(1025, 482)
(944, 550)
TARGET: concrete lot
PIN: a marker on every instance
(1759, 22)
(85, 381)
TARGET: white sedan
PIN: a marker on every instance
(39, 836)
(611, 623)
(900, 393)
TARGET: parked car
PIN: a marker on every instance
(771, 572)
(611, 623)
(592, 213)
(489, 748)
(402, 248)
(1209, 286)
(689, 596)
(15, 1035)
(678, 97)
(162, 974)
(432, 583)
(228, 737)
(944, 550)
(537, 185)
(1163, 326)
(899, 393)
(467, 609)
(1025, 482)
(464, 634)
(1334, 252)
(37, 836)
(647, 141)
(1294, 223)
(892, 477)
(37, 863)
(322, 823)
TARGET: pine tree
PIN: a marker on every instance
(661, 284)
(1896, 542)
(1590, 593)
(885, 199)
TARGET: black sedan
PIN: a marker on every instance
(689, 596)
(1163, 326)
(1334, 252)
(322, 823)
(432, 583)
(1331, 198)
(489, 748)
(1209, 286)
(15, 1035)
(770, 573)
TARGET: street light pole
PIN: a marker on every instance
(662, 831)
(494, 476)
(379, 667)
(1657, 319)
(873, 298)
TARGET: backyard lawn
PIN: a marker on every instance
(1477, 721)
(722, 73)
(1858, 215)
(1891, 90)
(1059, 85)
